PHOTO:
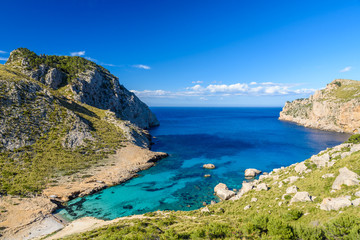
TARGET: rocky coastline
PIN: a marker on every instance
(29, 218)
(335, 108)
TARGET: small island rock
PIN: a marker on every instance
(252, 172)
(209, 166)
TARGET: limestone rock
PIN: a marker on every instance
(222, 191)
(329, 204)
(300, 167)
(247, 207)
(346, 177)
(254, 199)
(252, 172)
(292, 189)
(328, 175)
(262, 186)
(291, 179)
(205, 210)
(209, 166)
(321, 160)
(356, 202)
(326, 109)
(246, 187)
(357, 194)
(301, 197)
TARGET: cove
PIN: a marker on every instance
(231, 138)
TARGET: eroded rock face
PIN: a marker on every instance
(335, 108)
(346, 177)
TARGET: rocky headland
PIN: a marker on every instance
(68, 128)
(335, 108)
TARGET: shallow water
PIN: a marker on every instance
(231, 138)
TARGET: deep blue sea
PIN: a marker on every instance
(231, 138)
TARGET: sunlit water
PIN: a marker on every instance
(231, 138)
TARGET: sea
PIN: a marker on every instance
(233, 139)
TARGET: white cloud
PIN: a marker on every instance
(90, 58)
(204, 99)
(141, 66)
(80, 53)
(346, 69)
(253, 83)
(197, 82)
(224, 90)
(3, 59)
(2, 52)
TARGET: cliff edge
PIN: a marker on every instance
(335, 108)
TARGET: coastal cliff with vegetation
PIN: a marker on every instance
(335, 108)
(67, 128)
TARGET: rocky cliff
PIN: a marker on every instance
(335, 108)
(84, 81)
(60, 115)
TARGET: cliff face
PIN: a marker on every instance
(84, 81)
(60, 115)
(335, 108)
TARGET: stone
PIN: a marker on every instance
(53, 196)
(300, 167)
(209, 166)
(291, 179)
(329, 204)
(280, 203)
(301, 197)
(252, 172)
(212, 202)
(54, 78)
(320, 160)
(205, 210)
(262, 186)
(328, 175)
(262, 177)
(254, 199)
(222, 191)
(357, 194)
(292, 189)
(356, 202)
(247, 207)
(346, 177)
(246, 187)
(355, 148)
(207, 175)
(204, 204)
(344, 154)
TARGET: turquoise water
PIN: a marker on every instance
(231, 138)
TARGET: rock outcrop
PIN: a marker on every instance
(346, 177)
(335, 108)
(223, 192)
(87, 83)
(252, 172)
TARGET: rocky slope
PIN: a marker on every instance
(59, 115)
(335, 108)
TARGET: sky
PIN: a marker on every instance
(225, 53)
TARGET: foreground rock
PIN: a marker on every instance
(329, 204)
(223, 192)
(252, 172)
(301, 197)
(346, 177)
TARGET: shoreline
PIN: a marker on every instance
(37, 213)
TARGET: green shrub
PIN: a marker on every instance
(293, 215)
(354, 139)
(279, 229)
(341, 227)
(309, 233)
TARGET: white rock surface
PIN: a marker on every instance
(262, 186)
(300, 167)
(252, 172)
(346, 177)
(356, 202)
(292, 189)
(209, 166)
(328, 175)
(329, 204)
(301, 197)
(246, 187)
(247, 207)
(254, 199)
(222, 191)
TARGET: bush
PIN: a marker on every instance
(293, 215)
(258, 226)
(354, 139)
(278, 229)
(342, 227)
(309, 233)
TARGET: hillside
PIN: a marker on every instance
(315, 199)
(59, 115)
(335, 108)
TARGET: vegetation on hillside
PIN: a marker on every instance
(43, 121)
(270, 217)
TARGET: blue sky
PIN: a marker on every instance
(198, 53)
